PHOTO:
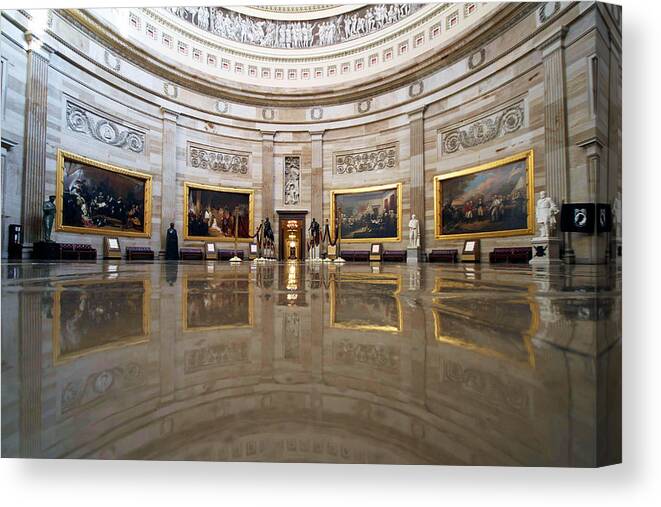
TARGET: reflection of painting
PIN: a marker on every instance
(217, 303)
(493, 199)
(366, 301)
(93, 316)
(368, 213)
(213, 213)
(94, 197)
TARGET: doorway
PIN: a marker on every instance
(291, 236)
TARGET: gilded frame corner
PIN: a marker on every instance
(62, 156)
(529, 157)
(200, 186)
(398, 186)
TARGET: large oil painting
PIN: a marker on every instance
(213, 213)
(99, 198)
(93, 316)
(369, 213)
(489, 200)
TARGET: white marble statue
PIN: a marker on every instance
(414, 232)
(617, 214)
(545, 212)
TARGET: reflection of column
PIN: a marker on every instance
(30, 374)
(317, 191)
(170, 304)
(169, 175)
(36, 110)
(555, 123)
(417, 171)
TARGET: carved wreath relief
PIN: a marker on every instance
(368, 160)
(292, 180)
(485, 129)
(217, 160)
(103, 129)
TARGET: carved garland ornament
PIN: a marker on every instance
(485, 129)
(369, 160)
(209, 158)
(103, 129)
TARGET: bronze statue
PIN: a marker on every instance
(49, 217)
(172, 244)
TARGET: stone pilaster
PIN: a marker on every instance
(317, 190)
(169, 175)
(268, 174)
(593, 163)
(36, 109)
(555, 123)
(30, 348)
(417, 170)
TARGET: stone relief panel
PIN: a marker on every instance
(225, 161)
(375, 159)
(497, 124)
(223, 354)
(102, 128)
(292, 186)
(301, 34)
(380, 357)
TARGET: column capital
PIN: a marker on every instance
(592, 146)
(417, 114)
(268, 135)
(317, 135)
(37, 46)
(169, 114)
(553, 41)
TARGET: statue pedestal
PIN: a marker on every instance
(412, 255)
(549, 248)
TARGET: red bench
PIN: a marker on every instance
(356, 255)
(139, 253)
(394, 256)
(511, 254)
(77, 251)
(191, 254)
(446, 255)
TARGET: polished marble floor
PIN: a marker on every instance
(293, 362)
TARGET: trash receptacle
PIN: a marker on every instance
(15, 247)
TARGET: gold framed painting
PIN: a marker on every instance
(212, 212)
(490, 200)
(95, 197)
(366, 301)
(369, 214)
(92, 316)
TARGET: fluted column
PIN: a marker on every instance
(417, 169)
(36, 109)
(267, 175)
(555, 124)
(169, 175)
(30, 348)
(317, 180)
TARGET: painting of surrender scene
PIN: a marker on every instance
(369, 213)
(213, 213)
(100, 198)
(493, 199)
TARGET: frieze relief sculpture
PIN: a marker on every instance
(216, 160)
(301, 34)
(371, 160)
(292, 180)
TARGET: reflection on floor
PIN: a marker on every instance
(458, 364)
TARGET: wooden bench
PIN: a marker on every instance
(191, 254)
(443, 255)
(394, 256)
(511, 254)
(141, 253)
(225, 255)
(356, 255)
(77, 252)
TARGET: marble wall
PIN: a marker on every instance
(558, 64)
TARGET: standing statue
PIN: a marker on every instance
(49, 217)
(545, 213)
(414, 232)
(269, 239)
(315, 239)
(171, 244)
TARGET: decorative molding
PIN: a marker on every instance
(485, 129)
(416, 89)
(219, 160)
(292, 179)
(223, 354)
(268, 113)
(103, 128)
(373, 159)
(476, 59)
(112, 61)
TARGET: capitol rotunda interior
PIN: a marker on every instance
(347, 233)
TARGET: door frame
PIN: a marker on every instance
(283, 216)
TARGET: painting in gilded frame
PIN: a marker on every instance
(211, 213)
(490, 200)
(94, 197)
(368, 214)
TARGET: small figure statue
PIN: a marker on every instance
(414, 232)
(172, 244)
(49, 217)
(545, 214)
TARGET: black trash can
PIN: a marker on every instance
(15, 246)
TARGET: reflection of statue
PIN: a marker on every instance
(414, 232)
(172, 244)
(545, 214)
(49, 216)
